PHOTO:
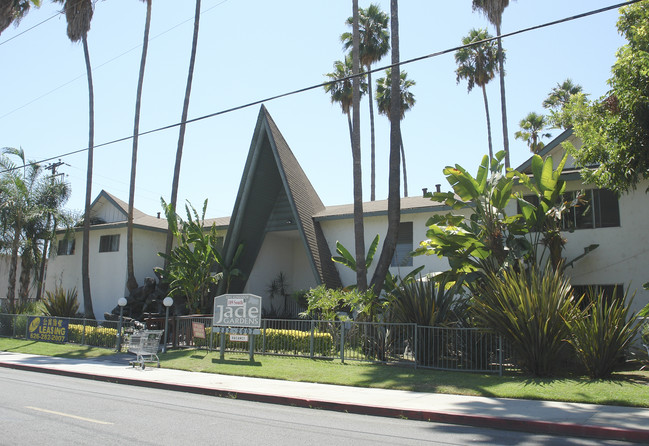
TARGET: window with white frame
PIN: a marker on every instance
(109, 243)
(402, 252)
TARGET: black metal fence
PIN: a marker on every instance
(442, 348)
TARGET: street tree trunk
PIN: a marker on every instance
(131, 281)
(486, 108)
(359, 229)
(394, 198)
(85, 254)
(183, 125)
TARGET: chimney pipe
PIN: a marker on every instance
(438, 187)
(424, 191)
(158, 214)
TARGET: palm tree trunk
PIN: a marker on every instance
(503, 101)
(13, 266)
(486, 108)
(131, 281)
(351, 129)
(394, 199)
(359, 229)
(403, 158)
(372, 138)
(26, 264)
(41, 270)
(181, 136)
(85, 253)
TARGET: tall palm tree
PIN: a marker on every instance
(27, 199)
(131, 281)
(383, 100)
(357, 171)
(531, 131)
(558, 98)
(478, 64)
(341, 92)
(374, 44)
(183, 125)
(493, 10)
(78, 14)
(394, 197)
(11, 11)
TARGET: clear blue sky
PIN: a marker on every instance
(250, 50)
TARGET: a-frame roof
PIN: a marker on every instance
(272, 174)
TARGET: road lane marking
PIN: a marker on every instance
(90, 420)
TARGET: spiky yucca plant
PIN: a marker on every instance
(61, 302)
(529, 307)
(603, 333)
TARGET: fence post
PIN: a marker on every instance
(500, 355)
(311, 341)
(342, 342)
(263, 338)
(83, 333)
(414, 347)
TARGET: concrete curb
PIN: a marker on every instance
(531, 426)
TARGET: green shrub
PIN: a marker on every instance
(61, 302)
(645, 333)
(602, 334)
(95, 336)
(277, 341)
(530, 308)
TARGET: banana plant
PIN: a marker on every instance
(344, 257)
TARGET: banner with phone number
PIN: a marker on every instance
(48, 329)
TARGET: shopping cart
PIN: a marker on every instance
(145, 345)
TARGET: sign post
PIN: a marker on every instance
(238, 315)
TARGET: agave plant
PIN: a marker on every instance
(61, 302)
(532, 308)
(603, 333)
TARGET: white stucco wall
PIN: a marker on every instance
(342, 230)
(283, 252)
(5, 261)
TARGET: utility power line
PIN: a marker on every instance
(321, 85)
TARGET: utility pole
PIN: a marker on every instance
(41, 275)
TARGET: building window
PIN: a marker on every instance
(599, 208)
(66, 247)
(590, 292)
(402, 252)
(109, 243)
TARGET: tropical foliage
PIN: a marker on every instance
(603, 333)
(61, 302)
(532, 308)
(557, 100)
(532, 127)
(191, 266)
(614, 129)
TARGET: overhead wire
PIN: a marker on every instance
(323, 84)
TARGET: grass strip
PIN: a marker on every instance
(626, 388)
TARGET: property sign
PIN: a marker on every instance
(198, 330)
(237, 310)
(49, 329)
(238, 338)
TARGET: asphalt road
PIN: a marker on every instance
(43, 409)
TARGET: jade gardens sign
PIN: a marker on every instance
(237, 310)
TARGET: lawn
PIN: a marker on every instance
(626, 388)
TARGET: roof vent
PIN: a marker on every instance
(424, 191)
(438, 187)
(158, 214)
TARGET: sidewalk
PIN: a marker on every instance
(567, 419)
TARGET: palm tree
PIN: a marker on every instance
(478, 64)
(341, 92)
(357, 171)
(531, 130)
(493, 10)
(78, 15)
(131, 281)
(558, 98)
(394, 198)
(383, 100)
(183, 125)
(27, 200)
(11, 11)
(374, 44)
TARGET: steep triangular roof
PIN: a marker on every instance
(273, 174)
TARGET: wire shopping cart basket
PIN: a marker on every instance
(145, 345)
